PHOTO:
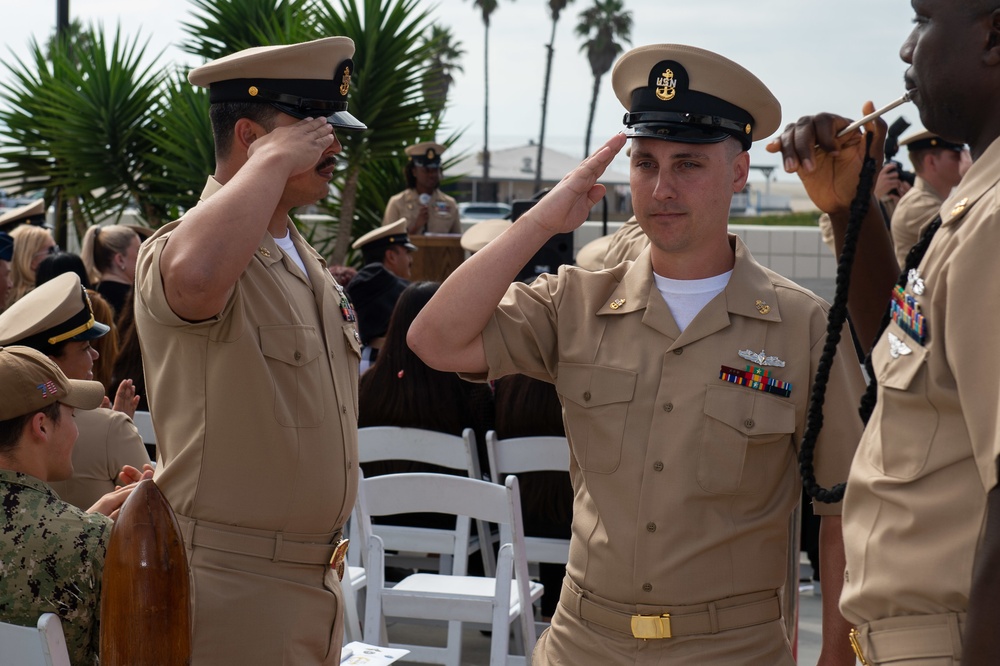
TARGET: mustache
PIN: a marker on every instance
(329, 162)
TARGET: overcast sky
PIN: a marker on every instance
(814, 56)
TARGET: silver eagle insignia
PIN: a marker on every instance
(761, 359)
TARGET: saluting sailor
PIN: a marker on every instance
(683, 452)
(251, 355)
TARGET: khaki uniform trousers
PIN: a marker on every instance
(262, 600)
(911, 640)
(574, 641)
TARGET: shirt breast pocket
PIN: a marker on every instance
(596, 400)
(293, 357)
(746, 438)
(900, 366)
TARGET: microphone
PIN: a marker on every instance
(424, 199)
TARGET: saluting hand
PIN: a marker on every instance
(299, 146)
(568, 205)
(827, 165)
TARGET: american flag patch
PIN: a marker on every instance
(756, 378)
(48, 388)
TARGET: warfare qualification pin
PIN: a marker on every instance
(760, 358)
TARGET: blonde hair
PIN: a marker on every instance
(101, 244)
(106, 345)
(28, 241)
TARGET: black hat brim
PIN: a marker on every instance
(98, 330)
(680, 132)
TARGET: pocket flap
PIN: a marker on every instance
(294, 345)
(749, 411)
(595, 385)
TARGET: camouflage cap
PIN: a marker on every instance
(30, 382)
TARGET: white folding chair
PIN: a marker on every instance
(144, 424)
(41, 645)
(498, 601)
(381, 443)
(517, 455)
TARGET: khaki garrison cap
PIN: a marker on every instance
(591, 256)
(926, 139)
(390, 234)
(51, 313)
(33, 213)
(425, 154)
(30, 382)
(686, 94)
(311, 79)
(481, 234)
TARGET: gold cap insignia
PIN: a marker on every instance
(617, 303)
(431, 154)
(345, 81)
(666, 85)
(747, 128)
(762, 307)
(264, 251)
(253, 91)
(959, 207)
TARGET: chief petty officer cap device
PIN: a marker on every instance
(311, 79)
(686, 94)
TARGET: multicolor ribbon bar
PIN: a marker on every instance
(905, 312)
(756, 378)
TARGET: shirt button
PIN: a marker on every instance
(343, 409)
(298, 356)
(586, 395)
(658, 466)
(679, 351)
(647, 587)
(668, 407)
(748, 424)
(650, 527)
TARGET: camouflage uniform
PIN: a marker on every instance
(51, 559)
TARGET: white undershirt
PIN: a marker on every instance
(686, 298)
(288, 247)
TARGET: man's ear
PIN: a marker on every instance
(39, 425)
(992, 55)
(246, 132)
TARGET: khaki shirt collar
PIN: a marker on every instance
(981, 177)
(749, 293)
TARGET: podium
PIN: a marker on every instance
(436, 257)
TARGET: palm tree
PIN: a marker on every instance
(555, 9)
(73, 125)
(445, 54)
(486, 7)
(604, 26)
(221, 27)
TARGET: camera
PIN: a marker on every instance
(898, 126)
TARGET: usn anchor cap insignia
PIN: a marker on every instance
(761, 358)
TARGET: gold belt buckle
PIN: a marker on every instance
(856, 644)
(651, 626)
(339, 554)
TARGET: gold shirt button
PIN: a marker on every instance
(586, 395)
(658, 466)
(650, 527)
(679, 351)
(748, 424)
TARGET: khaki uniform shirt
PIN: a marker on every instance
(914, 211)
(684, 483)
(108, 440)
(442, 211)
(626, 244)
(51, 561)
(916, 499)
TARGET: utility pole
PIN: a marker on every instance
(62, 17)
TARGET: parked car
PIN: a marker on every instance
(483, 210)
